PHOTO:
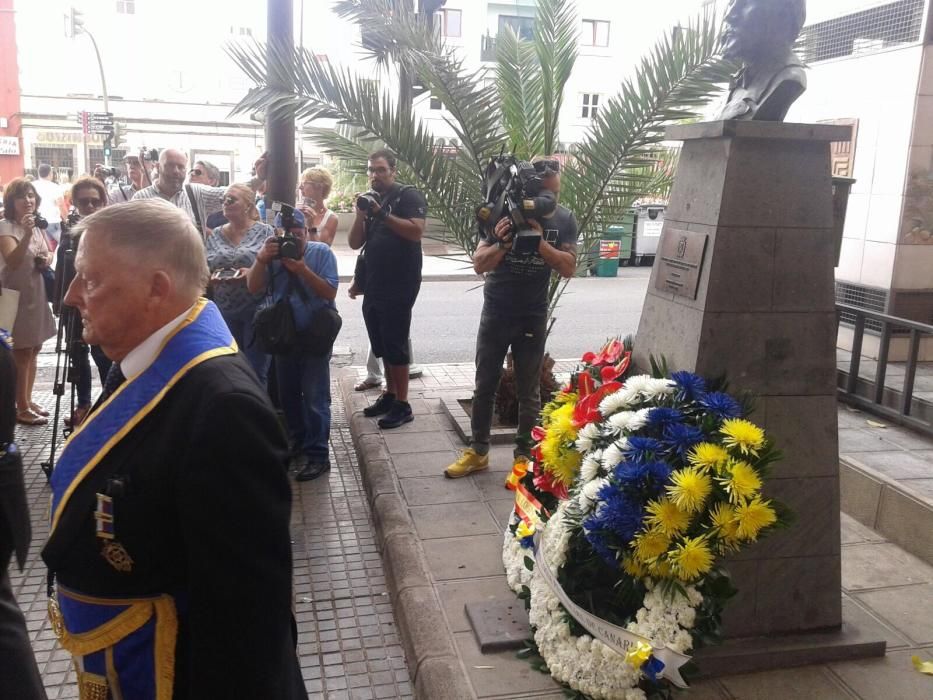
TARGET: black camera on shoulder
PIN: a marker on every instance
(514, 188)
(73, 218)
(367, 201)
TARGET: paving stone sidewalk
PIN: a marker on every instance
(348, 642)
(445, 541)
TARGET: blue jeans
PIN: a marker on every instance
(304, 392)
(241, 327)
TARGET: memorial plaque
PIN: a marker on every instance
(680, 259)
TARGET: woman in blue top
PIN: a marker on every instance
(231, 251)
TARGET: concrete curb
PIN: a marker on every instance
(886, 507)
(430, 650)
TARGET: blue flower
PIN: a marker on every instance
(690, 387)
(721, 405)
(597, 541)
(679, 438)
(652, 667)
(642, 449)
(647, 477)
(617, 513)
(660, 417)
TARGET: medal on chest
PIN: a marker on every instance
(111, 550)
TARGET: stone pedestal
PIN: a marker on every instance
(743, 286)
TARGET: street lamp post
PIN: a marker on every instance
(280, 127)
(77, 27)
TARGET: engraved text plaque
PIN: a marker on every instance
(680, 259)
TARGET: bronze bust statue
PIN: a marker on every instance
(761, 34)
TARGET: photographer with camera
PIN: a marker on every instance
(24, 259)
(390, 222)
(517, 256)
(302, 274)
(88, 195)
(136, 174)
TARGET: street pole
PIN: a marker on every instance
(108, 161)
(281, 177)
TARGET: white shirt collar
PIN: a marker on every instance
(144, 354)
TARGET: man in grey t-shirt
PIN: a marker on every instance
(515, 316)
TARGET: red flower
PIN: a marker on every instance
(588, 358)
(587, 410)
(612, 372)
(586, 385)
(538, 433)
(546, 482)
(610, 353)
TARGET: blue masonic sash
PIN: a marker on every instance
(125, 647)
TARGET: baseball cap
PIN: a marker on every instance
(298, 219)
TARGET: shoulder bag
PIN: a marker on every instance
(274, 327)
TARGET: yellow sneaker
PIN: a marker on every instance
(468, 462)
(520, 467)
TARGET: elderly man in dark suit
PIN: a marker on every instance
(170, 505)
(19, 677)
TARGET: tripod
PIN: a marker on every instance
(65, 363)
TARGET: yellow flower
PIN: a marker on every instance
(667, 517)
(690, 488)
(742, 434)
(708, 456)
(561, 425)
(691, 558)
(723, 517)
(639, 654)
(524, 530)
(633, 568)
(558, 401)
(752, 516)
(661, 569)
(740, 480)
(650, 544)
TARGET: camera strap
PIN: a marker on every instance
(290, 285)
(194, 208)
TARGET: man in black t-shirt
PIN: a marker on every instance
(391, 227)
(515, 315)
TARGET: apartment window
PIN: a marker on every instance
(595, 33)
(436, 103)
(867, 31)
(241, 31)
(447, 22)
(589, 104)
(126, 7)
(524, 27)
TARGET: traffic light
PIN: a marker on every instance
(108, 150)
(77, 22)
(119, 136)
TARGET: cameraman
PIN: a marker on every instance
(515, 306)
(135, 173)
(390, 221)
(303, 378)
(88, 195)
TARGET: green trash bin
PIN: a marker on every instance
(615, 244)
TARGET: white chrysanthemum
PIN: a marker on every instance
(513, 560)
(630, 420)
(589, 469)
(585, 437)
(659, 387)
(612, 455)
(588, 493)
(614, 402)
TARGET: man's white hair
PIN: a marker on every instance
(153, 233)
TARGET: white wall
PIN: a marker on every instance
(879, 90)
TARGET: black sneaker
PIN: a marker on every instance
(313, 470)
(399, 414)
(382, 405)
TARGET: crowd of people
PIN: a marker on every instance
(170, 500)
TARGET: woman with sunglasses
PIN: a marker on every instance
(24, 255)
(88, 195)
(231, 251)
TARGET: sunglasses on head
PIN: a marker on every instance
(547, 167)
(195, 171)
(89, 202)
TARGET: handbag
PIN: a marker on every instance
(274, 327)
(319, 339)
(359, 271)
(9, 305)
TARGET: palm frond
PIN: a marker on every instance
(518, 85)
(555, 45)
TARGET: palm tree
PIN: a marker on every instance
(608, 170)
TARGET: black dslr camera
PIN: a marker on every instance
(366, 201)
(513, 188)
(40, 221)
(287, 218)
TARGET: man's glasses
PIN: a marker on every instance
(230, 200)
(87, 202)
(547, 167)
(195, 171)
(381, 170)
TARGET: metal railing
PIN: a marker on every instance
(488, 48)
(879, 396)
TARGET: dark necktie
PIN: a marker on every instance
(114, 379)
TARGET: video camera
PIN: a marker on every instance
(287, 218)
(514, 188)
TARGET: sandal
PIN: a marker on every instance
(30, 418)
(367, 384)
(38, 410)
